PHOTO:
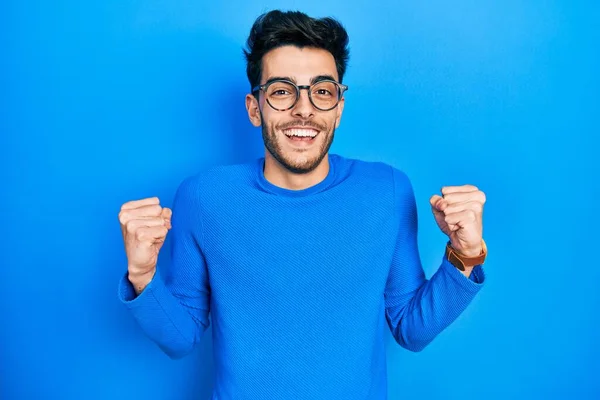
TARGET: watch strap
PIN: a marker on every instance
(460, 261)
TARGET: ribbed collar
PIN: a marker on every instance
(319, 187)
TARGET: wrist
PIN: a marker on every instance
(467, 271)
(140, 281)
(474, 252)
(463, 261)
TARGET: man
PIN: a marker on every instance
(301, 257)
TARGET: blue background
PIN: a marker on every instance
(108, 101)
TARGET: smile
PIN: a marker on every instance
(301, 134)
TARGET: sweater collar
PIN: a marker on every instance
(278, 190)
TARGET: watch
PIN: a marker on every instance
(460, 261)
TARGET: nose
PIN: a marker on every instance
(303, 108)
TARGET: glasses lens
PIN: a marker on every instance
(281, 95)
(325, 95)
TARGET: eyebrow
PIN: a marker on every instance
(314, 79)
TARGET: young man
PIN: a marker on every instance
(301, 257)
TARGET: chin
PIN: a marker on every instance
(302, 163)
(296, 159)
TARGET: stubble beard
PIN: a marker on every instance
(302, 164)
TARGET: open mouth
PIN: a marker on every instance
(298, 135)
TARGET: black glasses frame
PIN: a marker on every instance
(341, 89)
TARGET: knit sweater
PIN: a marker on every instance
(299, 284)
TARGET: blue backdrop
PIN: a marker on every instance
(108, 101)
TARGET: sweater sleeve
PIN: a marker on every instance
(173, 309)
(417, 309)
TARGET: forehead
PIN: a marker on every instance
(298, 63)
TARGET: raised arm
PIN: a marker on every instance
(171, 307)
(417, 309)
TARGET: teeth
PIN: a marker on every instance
(301, 132)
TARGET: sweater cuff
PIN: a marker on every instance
(472, 284)
(127, 292)
(477, 274)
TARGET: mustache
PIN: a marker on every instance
(305, 124)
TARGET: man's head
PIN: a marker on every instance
(304, 51)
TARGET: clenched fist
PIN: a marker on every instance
(459, 213)
(144, 224)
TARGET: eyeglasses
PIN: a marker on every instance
(282, 95)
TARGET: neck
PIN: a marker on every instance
(278, 175)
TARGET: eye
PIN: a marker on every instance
(281, 89)
(324, 90)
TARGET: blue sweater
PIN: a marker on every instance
(300, 285)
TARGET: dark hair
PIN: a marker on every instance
(277, 28)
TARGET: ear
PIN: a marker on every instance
(339, 110)
(253, 110)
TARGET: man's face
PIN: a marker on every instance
(301, 66)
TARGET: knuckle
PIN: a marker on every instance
(483, 197)
(140, 234)
(131, 227)
(472, 215)
(123, 216)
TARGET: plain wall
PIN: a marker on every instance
(108, 101)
